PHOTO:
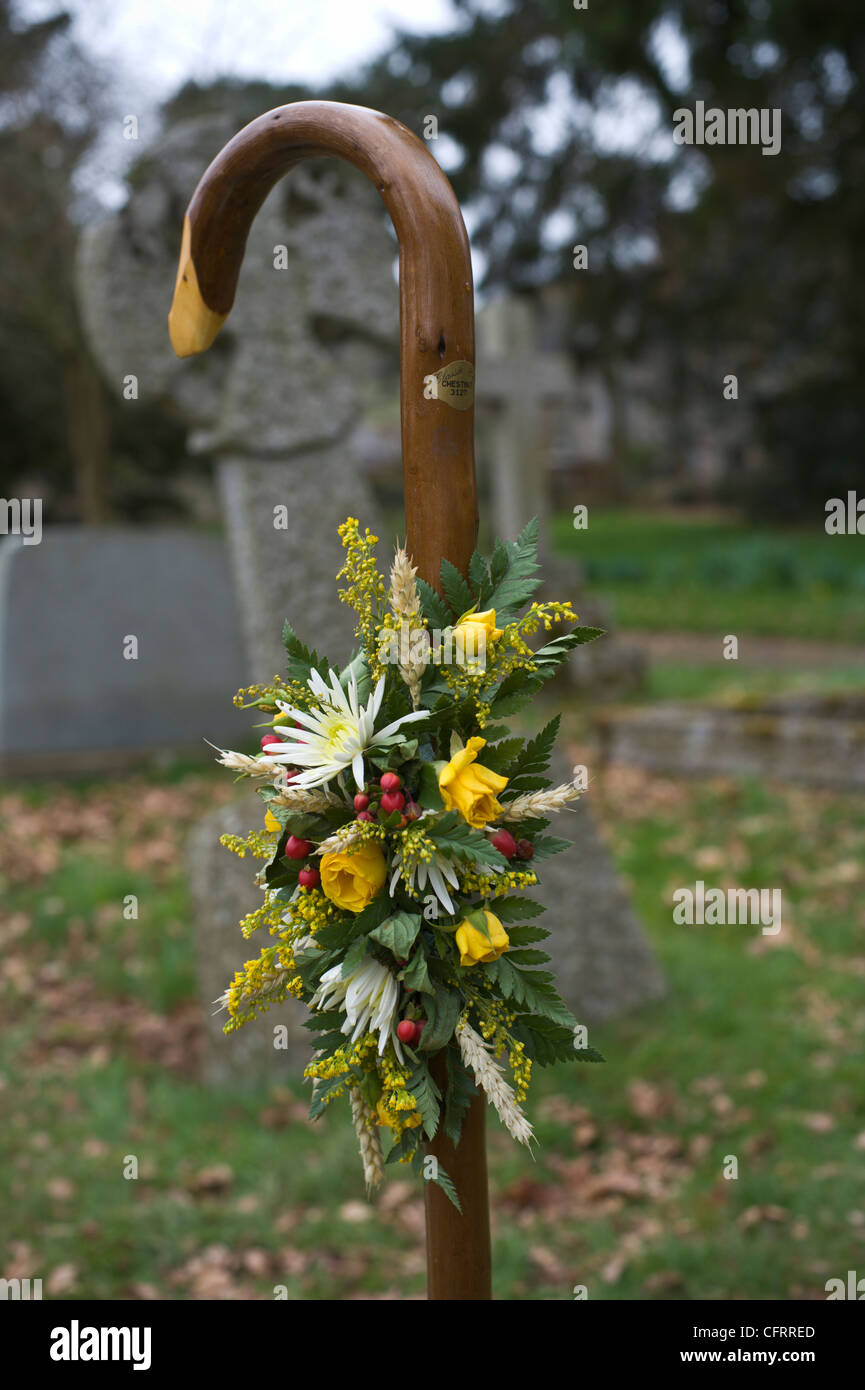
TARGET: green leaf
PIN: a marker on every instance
(517, 910)
(545, 845)
(429, 796)
(520, 577)
(442, 1011)
(461, 1089)
(456, 590)
(491, 732)
(588, 1054)
(406, 1145)
(545, 1041)
(347, 929)
(550, 657)
(398, 934)
(453, 836)
(532, 990)
(321, 1094)
(534, 758)
(499, 756)
(515, 692)
(427, 1096)
(441, 1179)
(521, 936)
(416, 974)
(354, 955)
(302, 661)
(479, 577)
(434, 608)
(523, 957)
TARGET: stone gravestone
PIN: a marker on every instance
(114, 642)
(603, 962)
(278, 404)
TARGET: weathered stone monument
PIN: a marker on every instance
(602, 959)
(313, 339)
(524, 386)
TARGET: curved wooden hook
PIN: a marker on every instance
(436, 295)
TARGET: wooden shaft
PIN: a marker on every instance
(458, 1256)
(436, 329)
(435, 278)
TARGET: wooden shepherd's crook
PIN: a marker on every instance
(436, 331)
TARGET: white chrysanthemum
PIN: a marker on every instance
(336, 735)
(437, 873)
(369, 996)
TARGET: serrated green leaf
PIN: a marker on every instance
(545, 1041)
(499, 756)
(441, 1179)
(426, 1096)
(518, 909)
(456, 590)
(433, 607)
(453, 836)
(534, 991)
(545, 845)
(302, 661)
(520, 577)
(461, 1089)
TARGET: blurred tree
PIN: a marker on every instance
(558, 122)
(54, 406)
(60, 425)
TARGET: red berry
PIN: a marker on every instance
(296, 849)
(405, 1030)
(309, 878)
(390, 782)
(267, 739)
(505, 843)
(365, 815)
(418, 1029)
(392, 801)
(361, 801)
(412, 810)
(525, 849)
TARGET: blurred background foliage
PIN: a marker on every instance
(556, 132)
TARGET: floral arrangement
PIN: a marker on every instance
(403, 824)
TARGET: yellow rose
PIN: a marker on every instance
(475, 947)
(271, 823)
(352, 877)
(469, 788)
(475, 630)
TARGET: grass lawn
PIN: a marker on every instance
(756, 1054)
(665, 571)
